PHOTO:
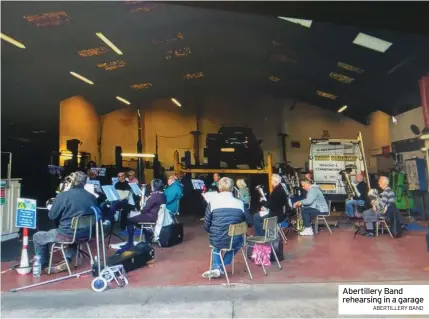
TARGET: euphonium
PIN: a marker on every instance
(375, 199)
(299, 226)
(260, 189)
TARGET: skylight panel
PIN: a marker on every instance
(341, 78)
(49, 19)
(349, 67)
(302, 22)
(110, 66)
(326, 95)
(372, 43)
(141, 86)
(192, 76)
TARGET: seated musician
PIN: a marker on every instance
(74, 202)
(214, 185)
(309, 177)
(275, 204)
(362, 188)
(149, 213)
(313, 205)
(173, 193)
(243, 193)
(124, 189)
(387, 198)
(132, 177)
(223, 209)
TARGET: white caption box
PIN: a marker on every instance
(383, 300)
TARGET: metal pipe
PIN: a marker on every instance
(50, 281)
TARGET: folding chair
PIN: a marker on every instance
(234, 230)
(271, 234)
(323, 218)
(382, 221)
(153, 226)
(78, 222)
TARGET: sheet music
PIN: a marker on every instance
(111, 193)
(90, 188)
(136, 189)
(100, 171)
(96, 184)
(114, 180)
(197, 184)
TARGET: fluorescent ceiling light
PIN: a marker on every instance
(303, 22)
(138, 155)
(371, 42)
(176, 102)
(343, 108)
(82, 78)
(123, 100)
(109, 43)
(423, 149)
(12, 41)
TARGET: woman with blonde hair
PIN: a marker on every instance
(243, 192)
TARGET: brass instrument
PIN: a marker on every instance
(260, 189)
(143, 198)
(349, 186)
(375, 199)
(237, 193)
(299, 224)
(68, 183)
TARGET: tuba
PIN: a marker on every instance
(348, 185)
(260, 189)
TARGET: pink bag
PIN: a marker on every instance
(261, 254)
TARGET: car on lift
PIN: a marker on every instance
(234, 145)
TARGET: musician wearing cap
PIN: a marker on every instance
(360, 196)
(379, 207)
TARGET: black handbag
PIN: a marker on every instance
(171, 235)
(278, 248)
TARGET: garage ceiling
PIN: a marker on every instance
(172, 50)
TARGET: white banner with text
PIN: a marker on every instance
(383, 299)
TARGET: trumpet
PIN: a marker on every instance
(260, 189)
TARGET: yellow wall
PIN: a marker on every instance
(119, 128)
(402, 131)
(78, 120)
(267, 117)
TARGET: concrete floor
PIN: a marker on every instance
(326, 257)
(216, 301)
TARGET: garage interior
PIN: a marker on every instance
(181, 72)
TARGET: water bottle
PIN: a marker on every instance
(37, 266)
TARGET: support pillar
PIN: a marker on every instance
(140, 166)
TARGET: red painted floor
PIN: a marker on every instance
(322, 258)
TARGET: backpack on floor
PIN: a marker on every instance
(278, 248)
(171, 235)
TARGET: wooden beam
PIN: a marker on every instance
(224, 171)
(270, 171)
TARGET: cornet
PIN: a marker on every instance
(260, 189)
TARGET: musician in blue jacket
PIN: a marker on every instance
(173, 193)
(223, 210)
